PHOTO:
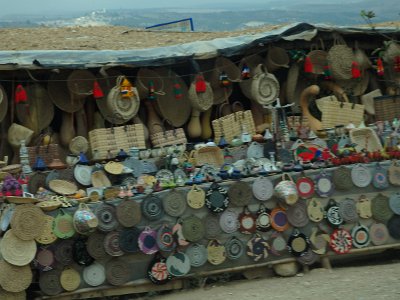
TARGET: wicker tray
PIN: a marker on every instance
(365, 138)
(209, 155)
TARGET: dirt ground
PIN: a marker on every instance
(378, 280)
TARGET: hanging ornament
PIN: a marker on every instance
(20, 94)
(152, 94)
(97, 91)
(224, 80)
(177, 90)
(308, 66)
(397, 63)
(327, 72)
(200, 84)
(245, 74)
(355, 70)
(379, 67)
(126, 89)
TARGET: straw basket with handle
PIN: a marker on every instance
(168, 137)
(340, 58)
(264, 86)
(318, 57)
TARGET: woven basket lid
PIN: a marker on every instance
(63, 252)
(381, 209)
(27, 221)
(114, 168)
(342, 178)
(60, 94)
(3, 103)
(12, 296)
(111, 244)
(279, 219)
(348, 210)
(15, 279)
(257, 248)
(309, 257)
(212, 227)
(16, 251)
(240, 193)
(379, 234)
(197, 254)
(106, 214)
(234, 248)
(341, 241)
(117, 271)
(47, 235)
(174, 203)
(79, 252)
(80, 82)
(361, 176)
(217, 199)
(99, 179)
(228, 221)
(394, 203)
(165, 238)
(94, 275)
(393, 226)
(70, 279)
(63, 187)
(95, 246)
(128, 240)
(169, 101)
(152, 208)
(196, 197)
(83, 174)
(364, 207)
(193, 229)
(263, 188)
(201, 101)
(264, 86)
(297, 214)
(216, 252)
(63, 227)
(36, 180)
(38, 111)
(360, 235)
(78, 144)
(128, 213)
(148, 241)
(44, 259)
(178, 264)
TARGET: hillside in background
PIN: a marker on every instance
(220, 18)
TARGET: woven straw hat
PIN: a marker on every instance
(12, 296)
(61, 95)
(49, 283)
(381, 209)
(63, 187)
(240, 193)
(114, 168)
(95, 246)
(174, 108)
(201, 101)
(193, 229)
(355, 86)
(70, 279)
(251, 62)
(392, 50)
(27, 221)
(340, 58)
(174, 203)
(3, 103)
(277, 58)
(100, 179)
(80, 82)
(264, 86)
(47, 235)
(128, 213)
(17, 133)
(319, 59)
(117, 271)
(13, 278)
(78, 144)
(38, 111)
(16, 251)
(143, 79)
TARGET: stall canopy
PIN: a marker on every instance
(230, 46)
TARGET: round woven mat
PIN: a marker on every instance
(308, 258)
(197, 254)
(16, 251)
(128, 240)
(13, 278)
(27, 221)
(63, 252)
(234, 248)
(348, 210)
(47, 235)
(193, 229)
(342, 178)
(297, 214)
(49, 283)
(111, 244)
(174, 203)
(117, 271)
(152, 208)
(94, 275)
(4, 295)
(212, 227)
(240, 193)
(128, 213)
(95, 246)
(228, 221)
(78, 144)
(106, 214)
(70, 279)
(381, 209)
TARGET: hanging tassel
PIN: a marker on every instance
(200, 84)
(245, 74)
(177, 90)
(308, 66)
(97, 91)
(224, 80)
(397, 63)
(379, 67)
(20, 94)
(152, 91)
(355, 70)
(327, 72)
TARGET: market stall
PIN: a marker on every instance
(122, 178)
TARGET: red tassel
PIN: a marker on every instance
(20, 94)
(308, 66)
(379, 67)
(200, 84)
(355, 70)
(97, 91)
(397, 63)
